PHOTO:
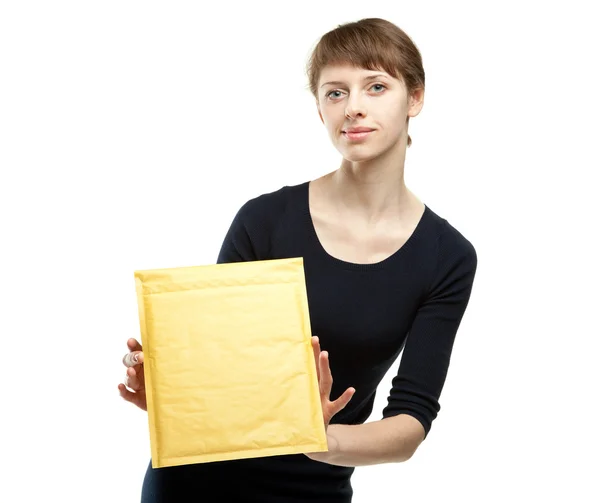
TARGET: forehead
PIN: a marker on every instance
(337, 74)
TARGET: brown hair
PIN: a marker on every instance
(373, 44)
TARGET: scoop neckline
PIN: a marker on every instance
(354, 265)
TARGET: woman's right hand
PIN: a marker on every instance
(134, 376)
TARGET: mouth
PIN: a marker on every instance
(357, 136)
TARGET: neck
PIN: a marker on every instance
(373, 189)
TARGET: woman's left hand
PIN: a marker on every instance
(330, 408)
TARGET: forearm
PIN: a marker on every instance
(391, 440)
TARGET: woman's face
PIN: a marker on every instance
(350, 97)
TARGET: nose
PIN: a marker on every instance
(355, 107)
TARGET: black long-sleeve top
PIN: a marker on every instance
(364, 315)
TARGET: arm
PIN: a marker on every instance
(389, 440)
(418, 385)
(413, 400)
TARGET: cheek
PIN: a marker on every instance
(394, 126)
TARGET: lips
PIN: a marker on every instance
(354, 137)
(358, 130)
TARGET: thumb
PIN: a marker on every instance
(133, 358)
(342, 401)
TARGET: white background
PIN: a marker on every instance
(131, 133)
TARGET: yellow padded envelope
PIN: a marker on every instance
(228, 362)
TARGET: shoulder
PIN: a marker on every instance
(455, 254)
(450, 242)
(251, 232)
(265, 206)
(453, 243)
(264, 213)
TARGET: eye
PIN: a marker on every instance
(328, 95)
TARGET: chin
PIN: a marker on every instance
(354, 156)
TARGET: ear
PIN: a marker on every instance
(416, 102)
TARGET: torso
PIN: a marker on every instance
(343, 239)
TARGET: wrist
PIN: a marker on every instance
(333, 444)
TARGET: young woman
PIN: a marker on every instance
(384, 273)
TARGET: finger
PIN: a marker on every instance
(135, 398)
(134, 345)
(133, 358)
(135, 380)
(326, 381)
(125, 393)
(316, 351)
(342, 401)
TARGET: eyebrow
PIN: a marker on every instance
(370, 77)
